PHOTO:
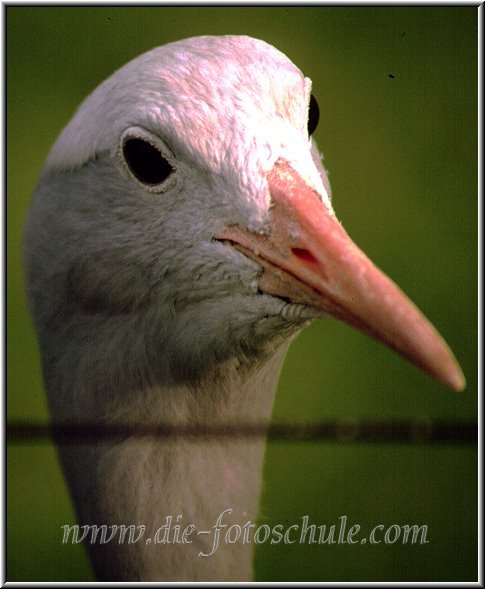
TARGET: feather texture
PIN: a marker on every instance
(142, 317)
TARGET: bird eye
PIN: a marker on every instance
(313, 115)
(145, 161)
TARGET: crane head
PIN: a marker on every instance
(184, 216)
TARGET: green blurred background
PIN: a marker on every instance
(401, 152)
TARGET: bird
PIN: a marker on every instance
(181, 235)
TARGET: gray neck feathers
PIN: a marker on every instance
(141, 482)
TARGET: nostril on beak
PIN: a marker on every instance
(304, 255)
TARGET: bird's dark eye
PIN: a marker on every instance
(145, 161)
(313, 115)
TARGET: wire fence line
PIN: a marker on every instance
(350, 431)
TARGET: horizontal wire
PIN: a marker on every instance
(417, 431)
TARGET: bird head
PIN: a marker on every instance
(184, 217)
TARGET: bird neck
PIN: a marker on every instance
(187, 481)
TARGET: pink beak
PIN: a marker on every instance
(308, 258)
